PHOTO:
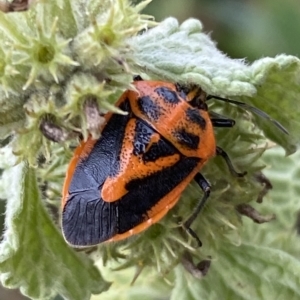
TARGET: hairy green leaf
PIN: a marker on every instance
(34, 255)
(245, 272)
(270, 84)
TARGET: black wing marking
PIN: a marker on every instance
(147, 192)
(87, 220)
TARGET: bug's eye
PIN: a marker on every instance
(198, 103)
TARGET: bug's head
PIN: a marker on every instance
(194, 95)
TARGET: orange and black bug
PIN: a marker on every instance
(129, 178)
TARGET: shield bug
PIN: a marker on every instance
(129, 178)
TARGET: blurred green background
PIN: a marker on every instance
(248, 29)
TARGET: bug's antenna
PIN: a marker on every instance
(252, 109)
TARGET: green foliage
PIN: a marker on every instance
(270, 84)
(34, 256)
(245, 277)
(45, 49)
(230, 23)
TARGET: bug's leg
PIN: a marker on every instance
(221, 152)
(219, 122)
(205, 186)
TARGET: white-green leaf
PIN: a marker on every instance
(33, 255)
(247, 272)
(185, 54)
(283, 200)
(148, 286)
